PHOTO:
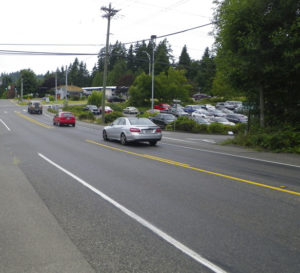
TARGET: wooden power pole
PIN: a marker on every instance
(109, 12)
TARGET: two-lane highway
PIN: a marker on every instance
(186, 205)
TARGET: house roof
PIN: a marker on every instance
(71, 88)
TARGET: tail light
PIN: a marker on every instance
(158, 130)
(135, 130)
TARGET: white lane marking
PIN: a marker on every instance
(142, 221)
(182, 140)
(204, 140)
(232, 155)
(5, 124)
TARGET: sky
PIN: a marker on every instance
(78, 26)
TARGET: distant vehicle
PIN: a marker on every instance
(237, 118)
(200, 113)
(115, 99)
(178, 112)
(191, 108)
(162, 106)
(216, 113)
(220, 105)
(153, 111)
(35, 107)
(93, 109)
(162, 120)
(221, 120)
(201, 120)
(200, 96)
(130, 110)
(107, 110)
(64, 118)
(231, 105)
(132, 129)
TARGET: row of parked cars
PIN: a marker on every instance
(224, 112)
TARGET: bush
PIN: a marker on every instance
(95, 98)
(86, 116)
(112, 116)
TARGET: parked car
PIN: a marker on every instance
(231, 105)
(115, 99)
(216, 113)
(237, 118)
(153, 111)
(92, 108)
(220, 105)
(201, 120)
(200, 96)
(221, 120)
(191, 108)
(107, 110)
(162, 106)
(132, 129)
(178, 112)
(200, 113)
(226, 111)
(163, 119)
(130, 110)
(64, 118)
(35, 107)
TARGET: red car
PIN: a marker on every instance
(107, 110)
(162, 106)
(64, 118)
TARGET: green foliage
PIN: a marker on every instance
(285, 140)
(87, 115)
(188, 125)
(29, 82)
(258, 52)
(52, 111)
(112, 116)
(95, 98)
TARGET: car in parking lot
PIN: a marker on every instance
(64, 118)
(162, 119)
(178, 112)
(35, 107)
(115, 99)
(130, 110)
(132, 129)
(162, 106)
(231, 105)
(201, 120)
(107, 110)
(93, 109)
(221, 120)
(237, 118)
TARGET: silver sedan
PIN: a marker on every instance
(132, 129)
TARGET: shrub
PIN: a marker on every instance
(112, 116)
(95, 98)
(86, 116)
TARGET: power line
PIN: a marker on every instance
(15, 52)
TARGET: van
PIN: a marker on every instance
(35, 107)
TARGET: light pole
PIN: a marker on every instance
(149, 58)
(153, 37)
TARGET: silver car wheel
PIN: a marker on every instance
(123, 139)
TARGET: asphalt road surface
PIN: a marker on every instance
(71, 202)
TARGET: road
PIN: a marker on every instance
(185, 205)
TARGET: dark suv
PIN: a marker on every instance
(35, 107)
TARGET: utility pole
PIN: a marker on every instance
(56, 86)
(21, 89)
(109, 12)
(153, 37)
(66, 100)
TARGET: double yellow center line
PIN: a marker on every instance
(183, 165)
(34, 121)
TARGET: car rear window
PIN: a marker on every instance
(141, 121)
(67, 115)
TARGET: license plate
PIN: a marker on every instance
(147, 131)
